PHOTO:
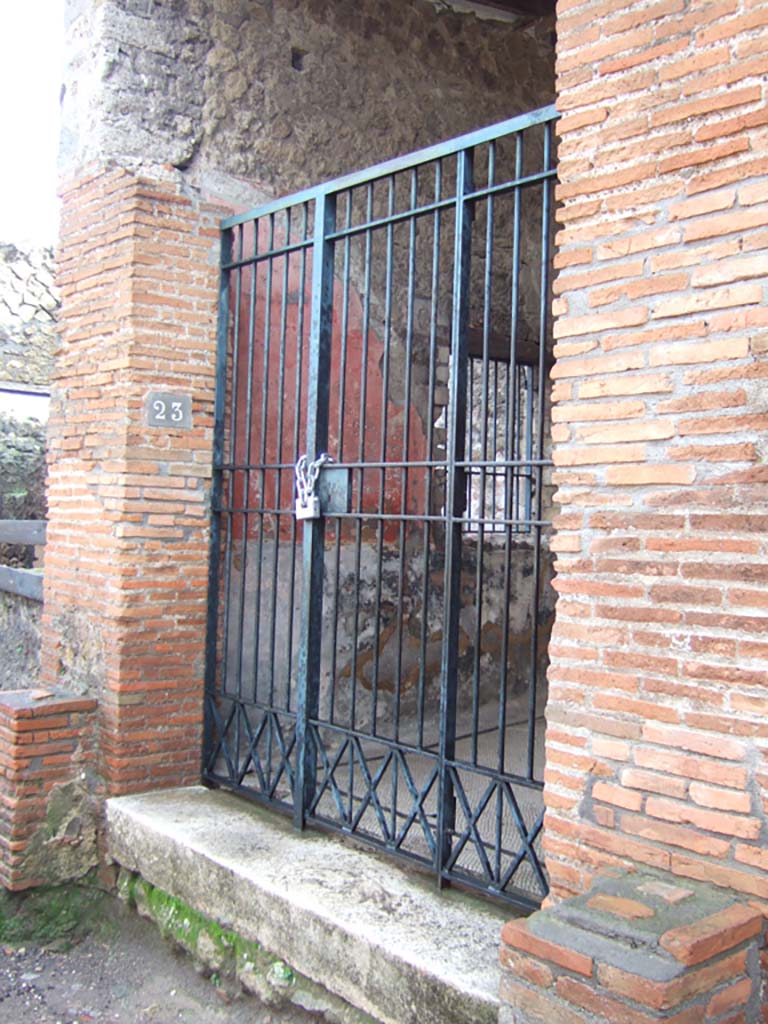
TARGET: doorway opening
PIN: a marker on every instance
(380, 598)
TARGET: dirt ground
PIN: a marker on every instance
(124, 972)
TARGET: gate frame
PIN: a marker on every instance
(325, 235)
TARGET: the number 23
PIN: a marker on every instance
(160, 409)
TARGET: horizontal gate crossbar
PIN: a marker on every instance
(400, 464)
(389, 167)
(406, 216)
(391, 517)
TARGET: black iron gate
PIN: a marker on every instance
(380, 575)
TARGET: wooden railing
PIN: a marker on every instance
(22, 582)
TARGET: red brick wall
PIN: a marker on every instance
(580, 962)
(125, 579)
(46, 741)
(657, 737)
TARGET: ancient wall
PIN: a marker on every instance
(48, 788)
(29, 306)
(657, 730)
(656, 740)
(167, 108)
(287, 93)
(19, 642)
(125, 575)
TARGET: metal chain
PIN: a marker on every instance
(307, 474)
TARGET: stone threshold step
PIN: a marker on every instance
(380, 938)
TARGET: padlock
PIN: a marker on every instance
(309, 511)
(307, 474)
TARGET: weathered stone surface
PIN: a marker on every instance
(239, 962)
(80, 652)
(382, 939)
(595, 929)
(246, 101)
(65, 846)
(288, 93)
(19, 642)
(29, 306)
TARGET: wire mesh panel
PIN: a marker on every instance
(377, 666)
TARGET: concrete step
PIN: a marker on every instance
(381, 938)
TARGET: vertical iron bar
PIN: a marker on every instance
(318, 372)
(498, 368)
(367, 270)
(214, 565)
(236, 517)
(263, 456)
(480, 550)
(538, 470)
(525, 435)
(296, 438)
(433, 317)
(499, 837)
(406, 443)
(339, 455)
(368, 259)
(233, 477)
(263, 492)
(399, 608)
(278, 473)
(512, 394)
(510, 452)
(380, 523)
(472, 375)
(247, 457)
(454, 502)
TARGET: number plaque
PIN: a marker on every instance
(174, 412)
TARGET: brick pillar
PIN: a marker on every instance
(638, 949)
(125, 573)
(658, 703)
(47, 791)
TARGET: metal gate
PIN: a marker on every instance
(380, 592)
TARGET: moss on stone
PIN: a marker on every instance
(219, 948)
(226, 955)
(53, 915)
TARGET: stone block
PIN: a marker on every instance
(639, 947)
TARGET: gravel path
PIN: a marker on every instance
(128, 975)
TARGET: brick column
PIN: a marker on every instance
(658, 728)
(637, 949)
(125, 575)
(47, 790)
